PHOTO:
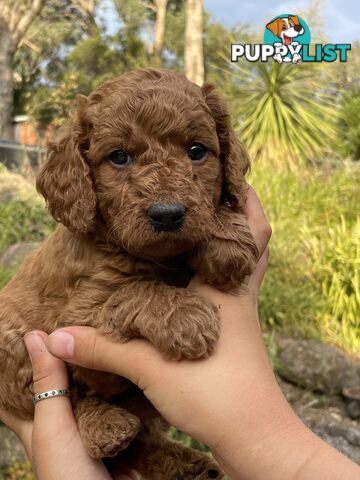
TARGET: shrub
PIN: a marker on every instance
(22, 212)
(312, 285)
(349, 124)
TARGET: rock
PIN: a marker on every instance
(326, 417)
(341, 433)
(316, 366)
(11, 450)
(353, 409)
(352, 400)
(16, 253)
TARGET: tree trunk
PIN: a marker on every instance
(6, 81)
(193, 53)
(160, 25)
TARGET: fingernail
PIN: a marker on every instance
(34, 343)
(61, 344)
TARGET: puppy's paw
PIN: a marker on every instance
(107, 431)
(229, 256)
(203, 469)
(191, 329)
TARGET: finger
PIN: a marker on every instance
(49, 373)
(87, 347)
(257, 276)
(258, 223)
(55, 434)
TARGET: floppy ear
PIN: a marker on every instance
(65, 181)
(274, 27)
(234, 159)
(295, 19)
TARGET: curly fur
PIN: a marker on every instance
(106, 267)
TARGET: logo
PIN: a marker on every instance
(287, 39)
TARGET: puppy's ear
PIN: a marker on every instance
(65, 180)
(233, 156)
(274, 26)
(295, 19)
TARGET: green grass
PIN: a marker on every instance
(312, 285)
(17, 471)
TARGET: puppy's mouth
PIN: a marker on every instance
(163, 247)
(287, 40)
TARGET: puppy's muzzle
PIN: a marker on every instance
(166, 218)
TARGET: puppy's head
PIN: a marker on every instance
(286, 28)
(147, 158)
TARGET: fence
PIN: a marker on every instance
(15, 155)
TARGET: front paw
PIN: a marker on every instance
(229, 256)
(189, 331)
(199, 466)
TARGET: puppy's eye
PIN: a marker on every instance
(120, 158)
(197, 152)
(284, 27)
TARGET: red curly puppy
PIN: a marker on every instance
(147, 180)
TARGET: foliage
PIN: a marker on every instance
(18, 471)
(349, 124)
(22, 213)
(187, 441)
(312, 284)
(5, 277)
(284, 114)
(22, 220)
(336, 266)
(57, 29)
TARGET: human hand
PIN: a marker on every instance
(52, 441)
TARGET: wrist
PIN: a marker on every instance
(271, 449)
(289, 451)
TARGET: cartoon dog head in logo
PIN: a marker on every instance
(286, 28)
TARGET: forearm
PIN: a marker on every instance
(291, 453)
(260, 437)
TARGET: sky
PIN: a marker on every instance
(342, 17)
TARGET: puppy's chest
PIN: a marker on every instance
(175, 272)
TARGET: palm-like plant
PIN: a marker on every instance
(285, 114)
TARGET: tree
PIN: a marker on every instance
(193, 49)
(160, 8)
(15, 20)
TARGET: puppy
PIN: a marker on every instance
(286, 29)
(147, 182)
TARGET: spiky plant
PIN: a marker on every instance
(285, 114)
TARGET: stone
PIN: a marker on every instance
(326, 417)
(317, 366)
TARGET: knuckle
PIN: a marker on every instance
(266, 230)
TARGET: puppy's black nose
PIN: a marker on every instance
(166, 218)
(298, 28)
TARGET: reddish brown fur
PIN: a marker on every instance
(106, 267)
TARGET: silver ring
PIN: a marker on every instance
(51, 394)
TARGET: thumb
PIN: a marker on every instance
(48, 372)
(89, 348)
